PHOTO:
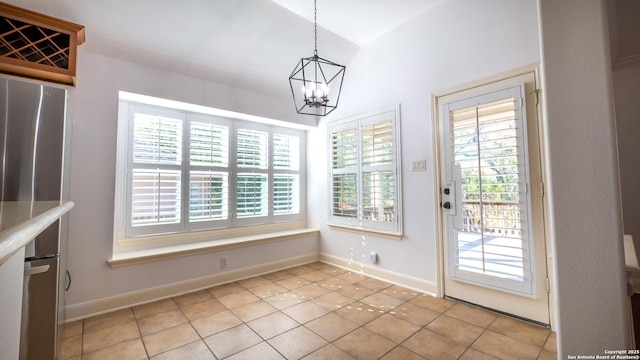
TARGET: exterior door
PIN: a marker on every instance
(491, 198)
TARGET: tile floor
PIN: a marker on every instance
(314, 311)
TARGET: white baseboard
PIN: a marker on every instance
(409, 282)
(100, 306)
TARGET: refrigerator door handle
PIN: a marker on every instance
(36, 270)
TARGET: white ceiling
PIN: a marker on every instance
(248, 43)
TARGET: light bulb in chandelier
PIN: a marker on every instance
(315, 95)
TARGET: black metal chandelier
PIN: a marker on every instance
(316, 82)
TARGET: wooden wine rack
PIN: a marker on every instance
(38, 46)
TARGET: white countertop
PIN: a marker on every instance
(21, 221)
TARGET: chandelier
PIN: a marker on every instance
(316, 82)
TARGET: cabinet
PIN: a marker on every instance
(38, 46)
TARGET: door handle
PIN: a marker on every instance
(36, 270)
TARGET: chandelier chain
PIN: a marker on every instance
(315, 27)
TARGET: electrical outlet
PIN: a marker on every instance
(223, 263)
(373, 257)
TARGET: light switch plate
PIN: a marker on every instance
(419, 165)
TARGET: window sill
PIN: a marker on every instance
(169, 252)
(380, 233)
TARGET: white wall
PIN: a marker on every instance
(457, 42)
(583, 188)
(93, 110)
(626, 81)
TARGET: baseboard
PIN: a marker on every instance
(409, 282)
(100, 306)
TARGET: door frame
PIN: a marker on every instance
(437, 133)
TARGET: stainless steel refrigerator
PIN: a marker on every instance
(34, 132)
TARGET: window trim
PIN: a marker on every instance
(192, 231)
(358, 224)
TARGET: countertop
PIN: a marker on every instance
(21, 221)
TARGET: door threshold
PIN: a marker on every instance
(516, 317)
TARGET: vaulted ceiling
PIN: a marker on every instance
(252, 44)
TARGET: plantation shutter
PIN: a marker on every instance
(378, 178)
(155, 177)
(344, 163)
(252, 183)
(493, 236)
(286, 180)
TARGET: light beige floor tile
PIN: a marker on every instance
(374, 284)
(332, 270)
(333, 283)
(392, 328)
(356, 292)
(547, 355)
(253, 282)
(504, 347)
(314, 276)
(305, 312)
(433, 346)
(352, 277)
(254, 310)
(519, 330)
(262, 351)
(414, 314)
(400, 292)
(161, 321)
(471, 315)
(72, 329)
(311, 291)
(70, 346)
(298, 270)
(272, 325)
(454, 329)
(238, 299)
(128, 350)
(108, 320)
(473, 354)
(359, 313)
(192, 298)
(169, 339)
(433, 303)
(382, 301)
(285, 300)
(216, 323)
(142, 311)
(232, 341)
(551, 344)
(401, 353)
(196, 350)
(293, 282)
(317, 265)
(267, 290)
(226, 289)
(297, 343)
(106, 337)
(332, 301)
(278, 275)
(331, 326)
(363, 344)
(329, 351)
(202, 309)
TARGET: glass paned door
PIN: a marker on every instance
(492, 220)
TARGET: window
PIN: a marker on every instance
(365, 179)
(180, 171)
